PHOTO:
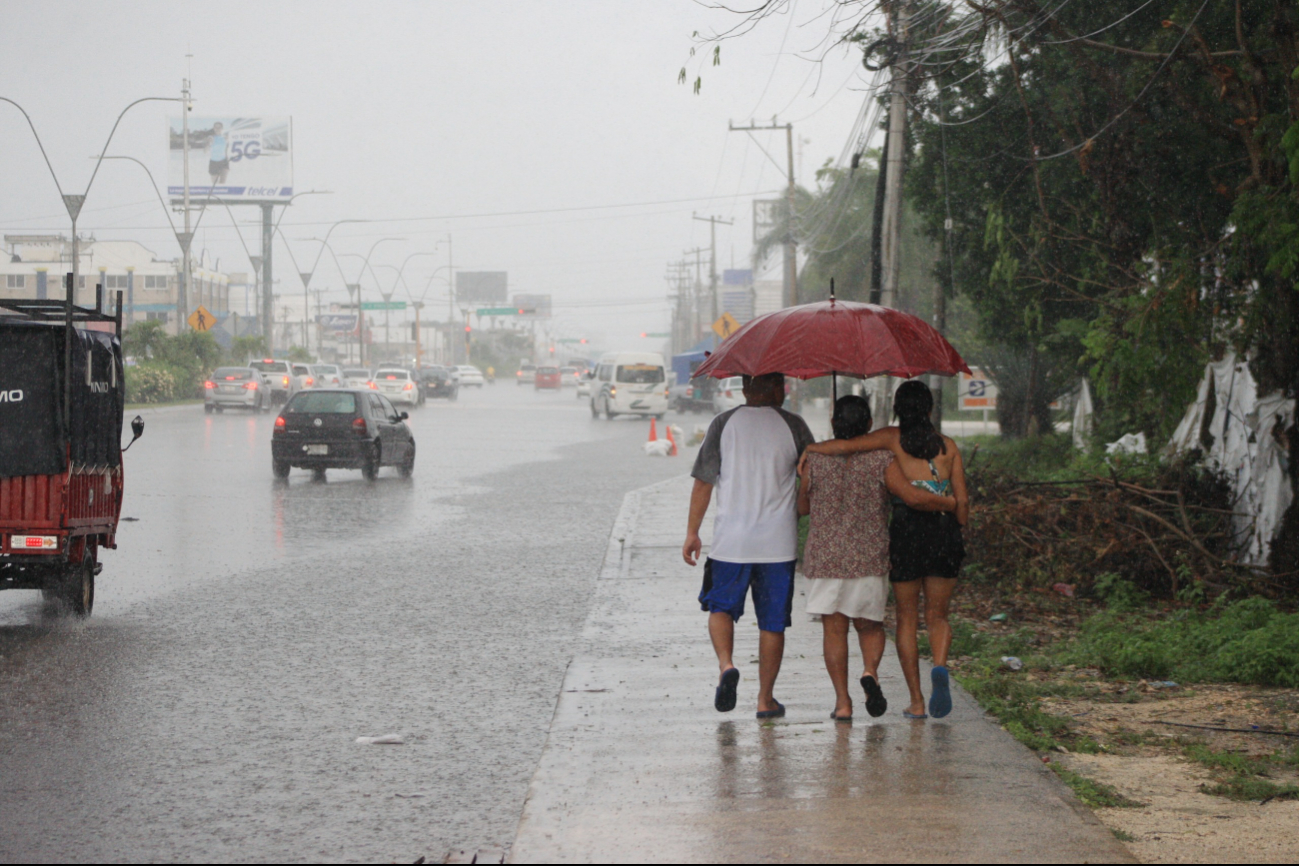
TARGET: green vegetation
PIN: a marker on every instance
(171, 368)
(1247, 641)
(1245, 777)
(1098, 795)
(1123, 835)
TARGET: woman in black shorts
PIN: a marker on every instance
(925, 548)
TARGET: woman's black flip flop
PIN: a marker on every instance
(724, 698)
(834, 714)
(876, 703)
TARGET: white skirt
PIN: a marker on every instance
(855, 597)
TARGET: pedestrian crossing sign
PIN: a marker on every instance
(201, 319)
(725, 326)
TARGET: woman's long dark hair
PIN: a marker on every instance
(852, 417)
(912, 404)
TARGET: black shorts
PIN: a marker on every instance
(924, 544)
(216, 168)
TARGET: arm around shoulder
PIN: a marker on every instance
(912, 496)
(884, 439)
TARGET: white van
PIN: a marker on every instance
(630, 383)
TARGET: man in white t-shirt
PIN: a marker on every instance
(750, 456)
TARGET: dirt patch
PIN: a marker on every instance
(1143, 754)
(1179, 824)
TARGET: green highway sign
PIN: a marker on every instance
(664, 335)
(383, 305)
(498, 311)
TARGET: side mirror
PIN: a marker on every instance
(137, 430)
(403, 416)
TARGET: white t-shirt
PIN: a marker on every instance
(750, 455)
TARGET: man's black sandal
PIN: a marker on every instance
(724, 698)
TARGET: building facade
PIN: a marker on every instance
(34, 267)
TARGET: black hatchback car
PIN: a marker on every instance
(438, 382)
(341, 428)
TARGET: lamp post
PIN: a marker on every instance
(365, 265)
(73, 203)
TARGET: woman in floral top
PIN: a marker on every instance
(846, 558)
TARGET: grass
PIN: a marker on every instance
(1123, 835)
(1096, 794)
(1245, 777)
(1251, 788)
(1247, 641)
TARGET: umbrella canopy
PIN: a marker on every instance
(829, 337)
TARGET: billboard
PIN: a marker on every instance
(481, 287)
(534, 306)
(231, 158)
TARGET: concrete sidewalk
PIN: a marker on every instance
(639, 767)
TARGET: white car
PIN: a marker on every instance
(397, 385)
(327, 375)
(584, 383)
(468, 375)
(356, 377)
(302, 373)
(569, 376)
(729, 394)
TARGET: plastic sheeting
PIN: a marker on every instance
(1082, 417)
(1240, 433)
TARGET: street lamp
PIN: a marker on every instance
(365, 265)
(73, 203)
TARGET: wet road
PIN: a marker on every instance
(247, 632)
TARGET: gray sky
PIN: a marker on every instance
(436, 109)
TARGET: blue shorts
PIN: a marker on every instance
(726, 583)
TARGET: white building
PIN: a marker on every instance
(34, 267)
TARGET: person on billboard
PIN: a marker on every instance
(218, 158)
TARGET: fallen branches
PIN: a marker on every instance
(1164, 534)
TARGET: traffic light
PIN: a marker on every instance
(468, 329)
(644, 333)
(584, 341)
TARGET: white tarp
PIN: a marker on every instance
(1241, 439)
(1082, 417)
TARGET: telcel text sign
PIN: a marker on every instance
(976, 391)
(231, 158)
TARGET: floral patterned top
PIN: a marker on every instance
(848, 535)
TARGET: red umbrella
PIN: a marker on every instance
(830, 337)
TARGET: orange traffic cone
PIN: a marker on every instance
(653, 431)
(673, 452)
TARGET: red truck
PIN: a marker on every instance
(61, 404)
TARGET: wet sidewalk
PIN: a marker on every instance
(639, 767)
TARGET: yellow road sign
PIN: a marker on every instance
(201, 319)
(725, 326)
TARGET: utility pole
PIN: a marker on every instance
(791, 245)
(890, 252)
(182, 291)
(712, 258)
(893, 167)
(696, 324)
(268, 301)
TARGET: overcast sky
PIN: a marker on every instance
(442, 111)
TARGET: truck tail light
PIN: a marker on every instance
(372, 386)
(310, 382)
(286, 381)
(34, 542)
